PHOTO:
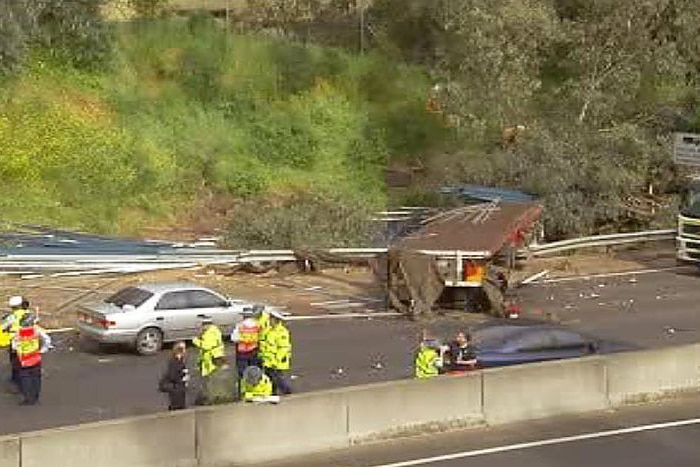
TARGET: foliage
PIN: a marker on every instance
(149, 8)
(187, 110)
(303, 221)
(70, 31)
(599, 86)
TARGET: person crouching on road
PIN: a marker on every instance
(277, 353)
(30, 342)
(429, 359)
(461, 354)
(19, 307)
(255, 384)
(212, 356)
(174, 380)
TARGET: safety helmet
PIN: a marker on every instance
(206, 320)
(252, 375)
(28, 320)
(16, 301)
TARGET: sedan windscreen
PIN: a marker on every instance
(130, 296)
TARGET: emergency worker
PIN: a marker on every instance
(429, 359)
(19, 307)
(255, 384)
(246, 335)
(277, 353)
(29, 343)
(262, 317)
(211, 355)
(462, 356)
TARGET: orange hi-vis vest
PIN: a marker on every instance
(248, 336)
(29, 347)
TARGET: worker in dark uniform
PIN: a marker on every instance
(461, 355)
(174, 380)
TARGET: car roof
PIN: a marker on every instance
(162, 287)
(496, 335)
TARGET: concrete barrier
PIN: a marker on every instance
(544, 389)
(404, 407)
(246, 433)
(322, 421)
(166, 440)
(9, 451)
(646, 375)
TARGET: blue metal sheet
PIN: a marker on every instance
(486, 193)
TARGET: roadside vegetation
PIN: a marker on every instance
(283, 133)
(179, 111)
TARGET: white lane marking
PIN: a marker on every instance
(344, 316)
(55, 331)
(607, 274)
(544, 442)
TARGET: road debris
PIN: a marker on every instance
(534, 277)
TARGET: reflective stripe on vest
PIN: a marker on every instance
(29, 347)
(262, 389)
(248, 336)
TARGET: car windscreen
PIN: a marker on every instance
(130, 296)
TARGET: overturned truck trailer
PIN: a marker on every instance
(453, 260)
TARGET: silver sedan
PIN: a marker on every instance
(147, 315)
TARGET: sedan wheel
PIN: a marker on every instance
(149, 341)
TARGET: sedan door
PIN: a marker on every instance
(206, 303)
(175, 316)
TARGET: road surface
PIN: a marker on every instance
(645, 436)
(82, 386)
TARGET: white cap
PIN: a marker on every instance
(15, 301)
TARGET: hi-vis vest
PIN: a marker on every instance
(29, 347)
(17, 316)
(248, 335)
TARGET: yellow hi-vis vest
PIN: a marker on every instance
(17, 316)
(427, 363)
(262, 389)
(278, 348)
(211, 347)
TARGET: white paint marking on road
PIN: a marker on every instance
(607, 274)
(55, 331)
(344, 316)
(544, 442)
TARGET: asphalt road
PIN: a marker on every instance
(83, 385)
(646, 436)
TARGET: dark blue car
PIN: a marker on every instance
(504, 345)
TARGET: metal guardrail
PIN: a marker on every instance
(59, 265)
(601, 240)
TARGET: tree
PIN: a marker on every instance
(149, 8)
(75, 32)
(71, 31)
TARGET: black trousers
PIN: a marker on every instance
(15, 366)
(244, 360)
(177, 399)
(280, 385)
(30, 383)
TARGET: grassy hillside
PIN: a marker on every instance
(187, 113)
